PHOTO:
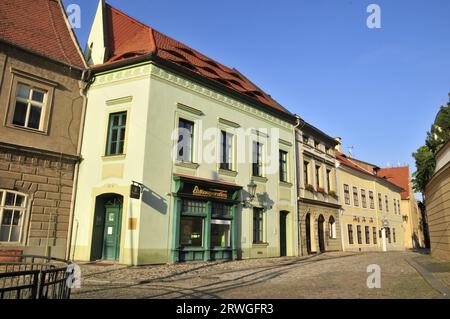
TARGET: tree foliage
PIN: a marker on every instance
(425, 163)
(425, 155)
(440, 130)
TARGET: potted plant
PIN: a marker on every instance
(310, 188)
(332, 194)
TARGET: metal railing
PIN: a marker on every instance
(33, 277)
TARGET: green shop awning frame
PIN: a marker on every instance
(204, 219)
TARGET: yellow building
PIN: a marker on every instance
(412, 219)
(370, 216)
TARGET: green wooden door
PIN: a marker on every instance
(111, 233)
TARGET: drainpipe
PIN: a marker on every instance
(298, 156)
(83, 86)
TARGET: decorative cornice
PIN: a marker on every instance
(148, 68)
(121, 100)
(284, 142)
(229, 123)
(190, 109)
(192, 86)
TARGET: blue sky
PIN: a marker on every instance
(379, 89)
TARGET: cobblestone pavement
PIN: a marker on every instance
(330, 275)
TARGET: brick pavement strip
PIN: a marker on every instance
(330, 275)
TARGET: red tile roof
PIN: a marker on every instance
(353, 164)
(346, 161)
(399, 176)
(40, 26)
(128, 38)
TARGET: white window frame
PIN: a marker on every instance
(30, 102)
(22, 209)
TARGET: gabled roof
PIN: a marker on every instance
(346, 161)
(127, 38)
(349, 162)
(40, 26)
(399, 176)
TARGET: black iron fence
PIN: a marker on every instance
(34, 277)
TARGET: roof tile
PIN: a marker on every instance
(40, 26)
(128, 38)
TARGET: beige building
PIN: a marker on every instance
(413, 224)
(437, 200)
(318, 201)
(370, 218)
(41, 107)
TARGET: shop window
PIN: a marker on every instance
(191, 231)
(12, 215)
(220, 233)
(221, 210)
(193, 207)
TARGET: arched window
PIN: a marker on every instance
(332, 227)
(12, 215)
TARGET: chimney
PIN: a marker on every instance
(338, 147)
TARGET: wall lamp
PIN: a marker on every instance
(251, 187)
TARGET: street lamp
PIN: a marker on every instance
(252, 189)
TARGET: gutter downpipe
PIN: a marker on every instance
(83, 84)
(298, 126)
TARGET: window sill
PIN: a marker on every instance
(227, 172)
(11, 244)
(257, 245)
(187, 165)
(286, 184)
(260, 179)
(26, 129)
(114, 157)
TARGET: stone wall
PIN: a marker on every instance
(47, 181)
(437, 200)
(331, 244)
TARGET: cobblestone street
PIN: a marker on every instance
(330, 275)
